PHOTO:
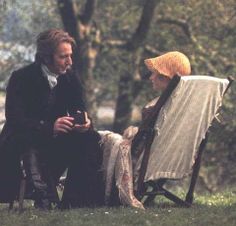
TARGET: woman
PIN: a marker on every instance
(117, 156)
(164, 67)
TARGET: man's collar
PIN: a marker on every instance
(47, 72)
(52, 77)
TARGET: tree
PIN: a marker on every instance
(82, 28)
(129, 82)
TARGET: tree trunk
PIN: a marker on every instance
(87, 39)
(127, 85)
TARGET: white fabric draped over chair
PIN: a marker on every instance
(182, 124)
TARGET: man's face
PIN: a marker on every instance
(62, 60)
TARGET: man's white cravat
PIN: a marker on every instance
(52, 78)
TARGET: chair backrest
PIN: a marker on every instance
(180, 127)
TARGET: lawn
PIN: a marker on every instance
(214, 209)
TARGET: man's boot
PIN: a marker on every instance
(42, 191)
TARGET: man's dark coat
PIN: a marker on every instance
(31, 109)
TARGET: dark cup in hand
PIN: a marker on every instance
(79, 118)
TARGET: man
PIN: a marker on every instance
(40, 103)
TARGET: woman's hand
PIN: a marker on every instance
(130, 132)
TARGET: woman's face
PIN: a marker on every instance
(159, 82)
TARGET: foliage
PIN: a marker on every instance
(218, 209)
(205, 31)
(18, 31)
(209, 44)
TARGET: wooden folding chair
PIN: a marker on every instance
(140, 151)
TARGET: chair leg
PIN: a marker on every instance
(156, 190)
(22, 194)
(175, 199)
(11, 204)
(22, 184)
(196, 168)
(54, 189)
(159, 190)
(150, 198)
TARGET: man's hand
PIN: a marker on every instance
(84, 127)
(63, 125)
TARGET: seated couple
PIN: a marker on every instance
(40, 103)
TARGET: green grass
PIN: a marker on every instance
(218, 209)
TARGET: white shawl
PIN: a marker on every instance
(182, 124)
